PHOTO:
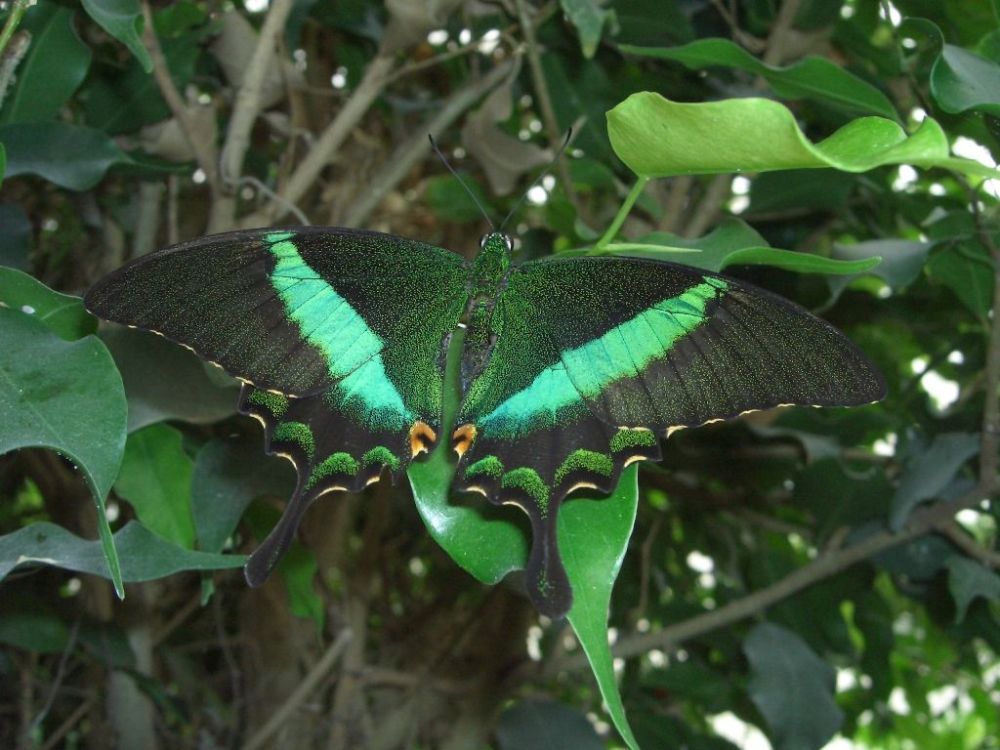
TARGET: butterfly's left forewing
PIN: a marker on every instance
(597, 358)
(338, 335)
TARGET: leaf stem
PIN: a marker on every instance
(17, 11)
(619, 219)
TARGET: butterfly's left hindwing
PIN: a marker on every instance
(338, 334)
(596, 359)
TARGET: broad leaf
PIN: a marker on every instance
(227, 477)
(962, 80)
(589, 18)
(966, 269)
(63, 314)
(67, 396)
(792, 688)
(534, 724)
(145, 556)
(70, 156)
(52, 69)
(656, 137)
(155, 479)
(123, 20)
(812, 78)
(968, 580)
(929, 471)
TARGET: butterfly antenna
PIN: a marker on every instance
(542, 176)
(461, 182)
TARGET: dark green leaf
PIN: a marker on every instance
(929, 471)
(123, 20)
(919, 559)
(812, 78)
(144, 555)
(34, 629)
(63, 314)
(544, 725)
(227, 477)
(962, 80)
(792, 687)
(589, 18)
(53, 68)
(70, 156)
(901, 262)
(164, 381)
(968, 580)
(656, 137)
(67, 396)
(15, 232)
(967, 270)
(812, 190)
(155, 478)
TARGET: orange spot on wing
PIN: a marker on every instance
(422, 438)
(463, 438)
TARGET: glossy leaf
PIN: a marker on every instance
(155, 479)
(929, 471)
(968, 580)
(734, 243)
(15, 232)
(811, 78)
(227, 477)
(164, 381)
(53, 68)
(123, 20)
(70, 156)
(67, 396)
(63, 314)
(593, 538)
(901, 262)
(656, 137)
(35, 629)
(589, 17)
(966, 269)
(962, 80)
(534, 724)
(145, 556)
(792, 688)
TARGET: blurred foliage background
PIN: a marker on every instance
(796, 579)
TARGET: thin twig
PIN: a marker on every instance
(315, 676)
(961, 539)
(775, 51)
(57, 680)
(71, 721)
(708, 208)
(417, 146)
(545, 100)
(204, 150)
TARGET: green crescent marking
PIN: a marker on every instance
(380, 455)
(275, 403)
(298, 433)
(337, 463)
(621, 352)
(489, 466)
(329, 322)
(627, 438)
(529, 482)
(584, 460)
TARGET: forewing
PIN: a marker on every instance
(597, 358)
(339, 336)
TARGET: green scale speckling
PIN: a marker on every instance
(587, 461)
(298, 433)
(489, 466)
(628, 437)
(528, 481)
(380, 455)
(338, 464)
(275, 403)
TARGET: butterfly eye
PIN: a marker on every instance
(482, 241)
(508, 242)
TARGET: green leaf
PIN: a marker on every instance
(966, 269)
(3, 162)
(164, 381)
(155, 478)
(15, 231)
(656, 137)
(589, 19)
(67, 396)
(811, 78)
(593, 539)
(52, 69)
(33, 628)
(144, 555)
(71, 156)
(123, 20)
(792, 688)
(927, 472)
(901, 262)
(962, 80)
(227, 477)
(804, 190)
(63, 314)
(968, 580)
(534, 724)
(734, 243)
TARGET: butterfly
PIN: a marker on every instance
(571, 368)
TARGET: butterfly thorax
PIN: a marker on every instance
(488, 277)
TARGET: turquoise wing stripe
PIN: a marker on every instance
(353, 352)
(623, 351)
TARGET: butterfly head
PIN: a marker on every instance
(493, 260)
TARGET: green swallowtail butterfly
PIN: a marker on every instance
(571, 369)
